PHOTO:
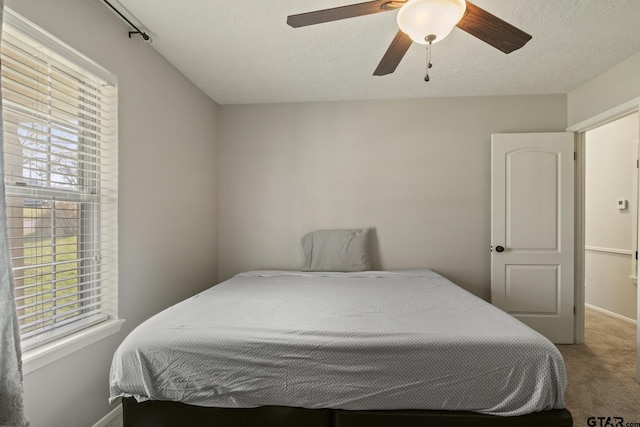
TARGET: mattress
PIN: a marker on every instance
(354, 341)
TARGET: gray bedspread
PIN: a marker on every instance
(368, 340)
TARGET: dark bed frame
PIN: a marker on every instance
(175, 414)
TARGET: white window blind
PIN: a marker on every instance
(60, 147)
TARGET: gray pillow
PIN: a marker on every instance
(337, 250)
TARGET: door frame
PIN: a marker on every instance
(580, 130)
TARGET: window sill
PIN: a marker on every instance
(49, 353)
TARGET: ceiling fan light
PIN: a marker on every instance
(421, 18)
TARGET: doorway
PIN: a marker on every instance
(611, 217)
(623, 110)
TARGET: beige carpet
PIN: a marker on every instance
(602, 372)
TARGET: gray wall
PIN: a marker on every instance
(614, 87)
(416, 170)
(167, 212)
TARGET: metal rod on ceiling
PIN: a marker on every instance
(144, 35)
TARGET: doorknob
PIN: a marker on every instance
(499, 249)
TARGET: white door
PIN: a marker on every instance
(532, 231)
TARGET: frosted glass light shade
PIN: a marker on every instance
(420, 18)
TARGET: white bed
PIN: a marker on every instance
(355, 341)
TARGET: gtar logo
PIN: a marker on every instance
(605, 422)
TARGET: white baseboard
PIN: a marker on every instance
(104, 421)
(611, 313)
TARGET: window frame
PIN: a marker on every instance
(44, 350)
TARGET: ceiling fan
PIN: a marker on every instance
(424, 22)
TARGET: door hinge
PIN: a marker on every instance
(575, 156)
(638, 164)
(574, 309)
(636, 255)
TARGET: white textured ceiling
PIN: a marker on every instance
(242, 51)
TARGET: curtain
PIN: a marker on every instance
(11, 405)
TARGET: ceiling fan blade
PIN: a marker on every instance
(492, 30)
(343, 12)
(394, 54)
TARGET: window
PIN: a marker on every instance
(60, 149)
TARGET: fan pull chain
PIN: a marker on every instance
(430, 38)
